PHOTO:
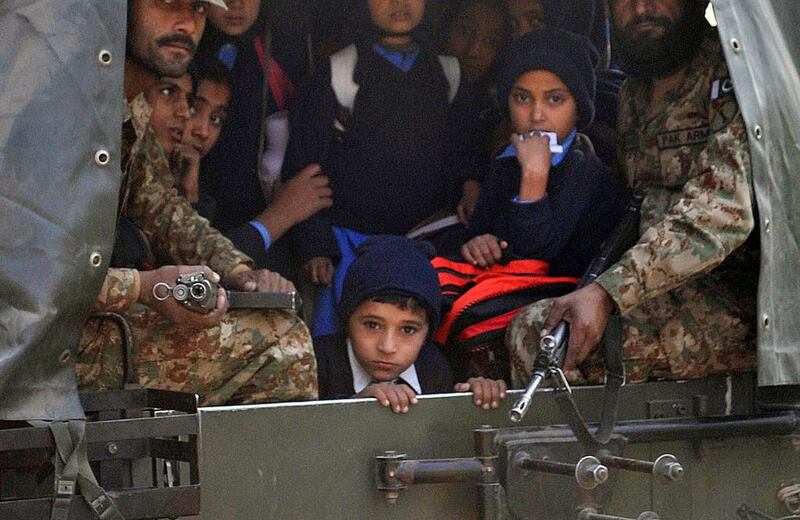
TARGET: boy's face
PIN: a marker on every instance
(163, 35)
(169, 98)
(386, 339)
(209, 112)
(539, 100)
(240, 16)
(396, 17)
(475, 38)
(525, 15)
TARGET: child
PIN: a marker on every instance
(389, 309)
(263, 44)
(397, 152)
(545, 205)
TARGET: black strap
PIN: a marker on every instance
(615, 378)
(74, 474)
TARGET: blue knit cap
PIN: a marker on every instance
(569, 56)
(389, 264)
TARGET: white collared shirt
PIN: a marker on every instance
(361, 379)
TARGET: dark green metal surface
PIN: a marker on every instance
(316, 460)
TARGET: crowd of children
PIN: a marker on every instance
(317, 165)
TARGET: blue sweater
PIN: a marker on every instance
(567, 226)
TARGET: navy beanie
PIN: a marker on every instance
(569, 56)
(387, 264)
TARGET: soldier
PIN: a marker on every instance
(225, 357)
(686, 290)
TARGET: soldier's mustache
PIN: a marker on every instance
(656, 20)
(180, 39)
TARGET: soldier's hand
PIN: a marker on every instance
(484, 250)
(261, 280)
(319, 270)
(587, 311)
(487, 393)
(174, 310)
(469, 199)
(398, 397)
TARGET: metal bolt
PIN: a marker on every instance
(766, 321)
(758, 132)
(589, 473)
(667, 469)
(391, 496)
(736, 46)
(112, 448)
(767, 225)
(675, 471)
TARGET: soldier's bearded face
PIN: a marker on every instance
(654, 38)
(163, 34)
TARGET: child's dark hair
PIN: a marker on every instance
(209, 68)
(401, 301)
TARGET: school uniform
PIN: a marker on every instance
(341, 376)
(568, 225)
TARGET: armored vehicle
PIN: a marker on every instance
(721, 448)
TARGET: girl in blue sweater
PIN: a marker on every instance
(556, 202)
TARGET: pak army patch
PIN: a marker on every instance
(683, 137)
(722, 97)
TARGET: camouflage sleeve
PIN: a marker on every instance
(713, 216)
(119, 292)
(177, 234)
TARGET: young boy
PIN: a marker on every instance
(397, 152)
(556, 206)
(389, 309)
(202, 126)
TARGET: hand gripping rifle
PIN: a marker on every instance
(553, 347)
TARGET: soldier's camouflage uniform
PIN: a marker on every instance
(252, 356)
(685, 312)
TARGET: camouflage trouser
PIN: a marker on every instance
(250, 357)
(688, 333)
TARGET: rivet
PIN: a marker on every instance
(735, 45)
(104, 57)
(758, 132)
(64, 357)
(766, 321)
(767, 225)
(112, 448)
(95, 259)
(102, 157)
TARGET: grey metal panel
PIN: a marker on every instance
(59, 105)
(315, 460)
(765, 74)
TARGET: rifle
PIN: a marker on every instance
(553, 347)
